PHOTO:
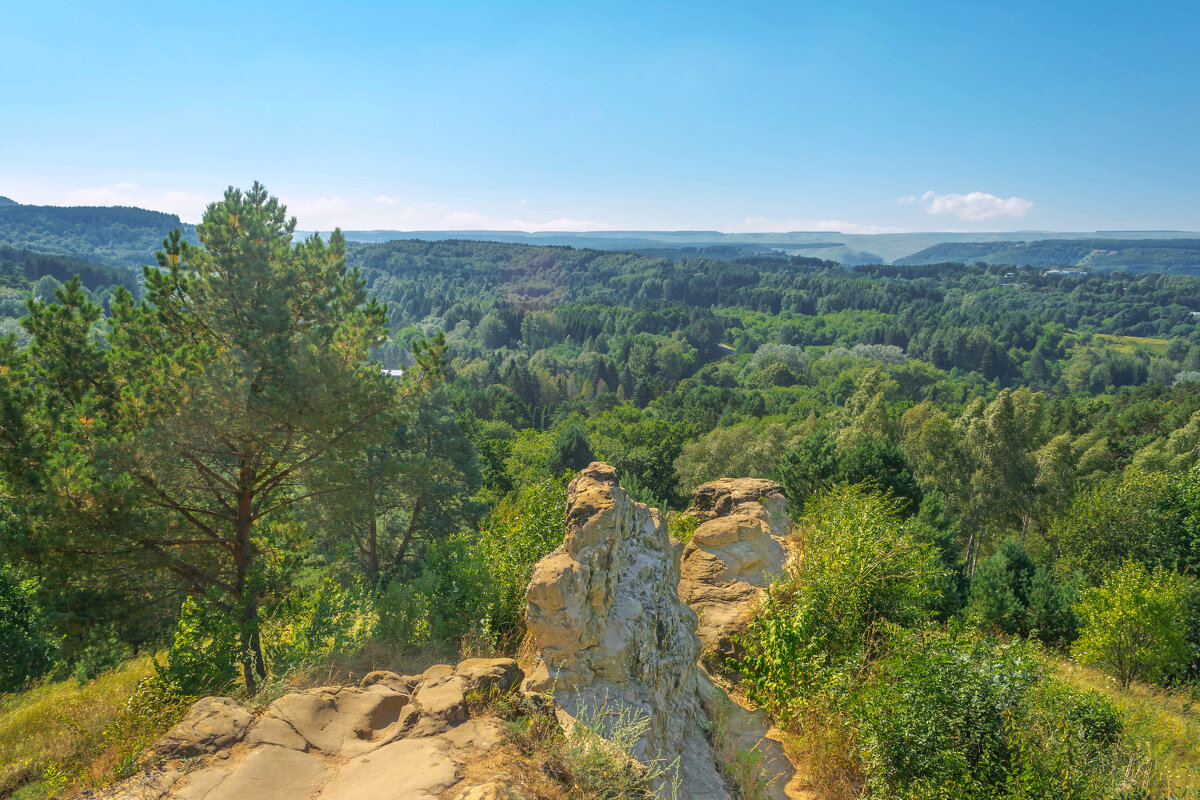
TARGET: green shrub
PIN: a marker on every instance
(933, 712)
(1064, 745)
(203, 657)
(1135, 623)
(28, 653)
(947, 712)
(682, 526)
(305, 629)
(521, 530)
(101, 649)
(1010, 594)
(860, 573)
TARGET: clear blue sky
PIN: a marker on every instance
(731, 116)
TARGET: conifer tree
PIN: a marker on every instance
(244, 384)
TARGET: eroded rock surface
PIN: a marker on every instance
(733, 555)
(212, 724)
(393, 736)
(614, 635)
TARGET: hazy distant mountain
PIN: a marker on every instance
(1134, 255)
(850, 249)
(126, 236)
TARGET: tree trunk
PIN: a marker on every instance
(251, 643)
(408, 534)
(373, 549)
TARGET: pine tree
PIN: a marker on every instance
(244, 386)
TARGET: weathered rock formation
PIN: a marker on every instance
(392, 736)
(609, 612)
(604, 610)
(734, 553)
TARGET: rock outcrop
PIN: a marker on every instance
(391, 736)
(614, 635)
(212, 724)
(734, 553)
(613, 612)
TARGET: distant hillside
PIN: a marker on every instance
(19, 269)
(850, 249)
(115, 235)
(1169, 256)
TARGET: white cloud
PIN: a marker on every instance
(975, 206)
(907, 198)
(188, 205)
(764, 225)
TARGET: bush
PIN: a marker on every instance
(520, 531)
(949, 715)
(203, 657)
(934, 710)
(1135, 623)
(27, 651)
(305, 629)
(1010, 594)
(1064, 745)
(860, 573)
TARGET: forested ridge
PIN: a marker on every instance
(116, 235)
(1180, 256)
(992, 470)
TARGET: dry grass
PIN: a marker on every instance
(742, 768)
(1163, 726)
(1125, 344)
(58, 725)
(824, 752)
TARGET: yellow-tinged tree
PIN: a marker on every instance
(1135, 623)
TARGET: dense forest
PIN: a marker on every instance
(993, 470)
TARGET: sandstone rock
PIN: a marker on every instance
(614, 635)
(720, 497)
(412, 769)
(489, 675)
(745, 729)
(335, 720)
(734, 553)
(153, 784)
(475, 736)
(400, 683)
(277, 731)
(266, 773)
(212, 724)
(438, 705)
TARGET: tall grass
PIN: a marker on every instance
(64, 735)
(1163, 726)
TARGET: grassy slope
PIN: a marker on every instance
(1165, 725)
(57, 734)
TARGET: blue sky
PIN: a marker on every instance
(571, 115)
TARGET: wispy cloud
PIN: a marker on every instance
(974, 206)
(765, 225)
(188, 205)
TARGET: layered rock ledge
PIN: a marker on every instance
(737, 550)
(391, 736)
